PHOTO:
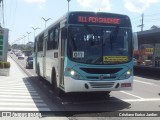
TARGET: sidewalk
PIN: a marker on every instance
(17, 94)
(15, 72)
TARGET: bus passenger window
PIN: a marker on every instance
(40, 43)
(55, 44)
(50, 40)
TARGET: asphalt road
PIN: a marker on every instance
(145, 96)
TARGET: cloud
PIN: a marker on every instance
(102, 5)
(138, 6)
(41, 3)
(35, 1)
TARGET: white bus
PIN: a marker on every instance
(86, 52)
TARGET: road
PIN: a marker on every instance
(145, 96)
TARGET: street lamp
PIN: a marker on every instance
(68, 4)
(24, 36)
(35, 30)
(28, 35)
(46, 20)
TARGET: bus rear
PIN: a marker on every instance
(98, 52)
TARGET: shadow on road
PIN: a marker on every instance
(79, 103)
(147, 72)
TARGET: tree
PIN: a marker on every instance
(154, 27)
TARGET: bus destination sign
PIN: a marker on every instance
(93, 19)
(104, 19)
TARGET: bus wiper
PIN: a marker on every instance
(113, 36)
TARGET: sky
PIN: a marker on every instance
(21, 15)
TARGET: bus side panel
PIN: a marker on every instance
(51, 62)
(40, 63)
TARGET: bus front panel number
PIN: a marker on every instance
(78, 54)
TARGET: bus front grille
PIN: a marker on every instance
(101, 84)
(101, 70)
(97, 77)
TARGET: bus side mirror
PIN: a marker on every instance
(135, 41)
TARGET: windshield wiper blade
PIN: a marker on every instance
(113, 36)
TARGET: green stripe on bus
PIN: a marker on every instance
(0, 52)
(1, 37)
(1, 47)
(1, 42)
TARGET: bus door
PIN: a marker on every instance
(35, 55)
(62, 37)
(44, 54)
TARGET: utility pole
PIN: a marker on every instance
(68, 4)
(2, 5)
(142, 25)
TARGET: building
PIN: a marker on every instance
(148, 53)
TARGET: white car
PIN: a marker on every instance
(135, 61)
(21, 56)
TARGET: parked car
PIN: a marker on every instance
(147, 63)
(11, 52)
(21, 56)
(17, 54)
(135, 61)
(29, 62)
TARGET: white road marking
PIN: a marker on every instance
(148, 83)
(142, 100)
(17, 82)
(18, 93)
(23, 109)
(17, 88)
(22, 104)
(22, 100)
(131, 94)
(22, 96)
(16, 85)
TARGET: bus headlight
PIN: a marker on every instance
(73, 73)
(126, 75)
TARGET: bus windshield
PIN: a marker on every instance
(99, 45)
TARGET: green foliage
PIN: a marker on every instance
(1, 64)
(4, 64)
(7, 65)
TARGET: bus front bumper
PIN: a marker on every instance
(72, 85)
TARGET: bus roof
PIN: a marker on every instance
(99, 18)
(103, 18)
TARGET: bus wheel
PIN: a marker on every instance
(38, 70)
(108, 93)
(57, 90)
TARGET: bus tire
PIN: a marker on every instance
(38, 70)
(57, 90)
(108, 93)
(53, 78)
